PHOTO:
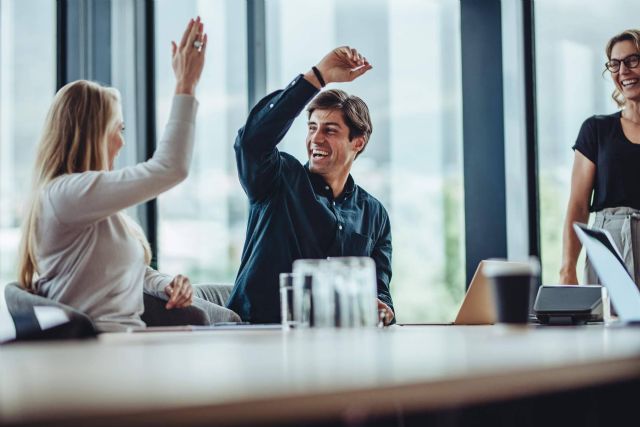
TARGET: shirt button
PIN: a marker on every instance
(334, 203)
(340, 227)
(326, 187)
(270, 105)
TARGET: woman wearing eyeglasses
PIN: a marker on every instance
(606, 167)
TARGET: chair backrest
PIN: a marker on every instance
(21, 307)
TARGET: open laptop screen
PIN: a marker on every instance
(611, 271)
(603, 238)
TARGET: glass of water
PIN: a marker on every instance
(286, 300)
(314, 303)
(354, 285)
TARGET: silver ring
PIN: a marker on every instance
(197, 44)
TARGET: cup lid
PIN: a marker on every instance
(502, 267)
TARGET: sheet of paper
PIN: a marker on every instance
(215, 327)
(50, 317)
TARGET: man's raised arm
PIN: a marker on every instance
(256, 154)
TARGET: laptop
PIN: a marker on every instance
(478, 307)
(610, 268)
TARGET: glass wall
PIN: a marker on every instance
(413, 161)
(27, 86)
(202, 222)
(123, 77)
(570, 37)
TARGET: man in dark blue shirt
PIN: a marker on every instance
(313, 210)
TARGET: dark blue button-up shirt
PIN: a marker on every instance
(293, 213)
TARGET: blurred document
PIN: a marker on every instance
(50, 317)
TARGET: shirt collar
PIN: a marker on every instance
(320, 185)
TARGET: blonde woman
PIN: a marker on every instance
(78, 247)
(605, 173)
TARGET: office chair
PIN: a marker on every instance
(21, 307)
(21, 303)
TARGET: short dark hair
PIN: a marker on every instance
(355, 112)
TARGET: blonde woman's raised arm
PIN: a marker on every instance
(90, 196)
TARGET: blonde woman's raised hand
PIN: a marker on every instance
(187, 58)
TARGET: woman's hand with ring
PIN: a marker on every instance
(187, 58)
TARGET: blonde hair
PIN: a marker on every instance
(74, 139)
(627, 35)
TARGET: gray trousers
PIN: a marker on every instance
(212, 299)
(623, 225)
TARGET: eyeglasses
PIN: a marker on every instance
(630, 61)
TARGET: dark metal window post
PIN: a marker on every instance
(83, 41)
(483, 132)
(531, 126)
(483, 127)
(146, 110)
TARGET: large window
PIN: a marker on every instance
(570, 41)
(202, 222)
(27, 85)
(123, 77)
(413, 160)
(413, 163)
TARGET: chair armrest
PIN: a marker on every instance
(155, 314)
(217, 293)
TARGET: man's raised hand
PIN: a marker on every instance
(342, 64)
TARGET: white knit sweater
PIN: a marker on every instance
(87, 256)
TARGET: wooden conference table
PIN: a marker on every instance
(252, 377)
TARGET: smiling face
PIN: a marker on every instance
(627, 80)
(330, 152)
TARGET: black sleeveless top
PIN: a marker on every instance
(617, 160)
